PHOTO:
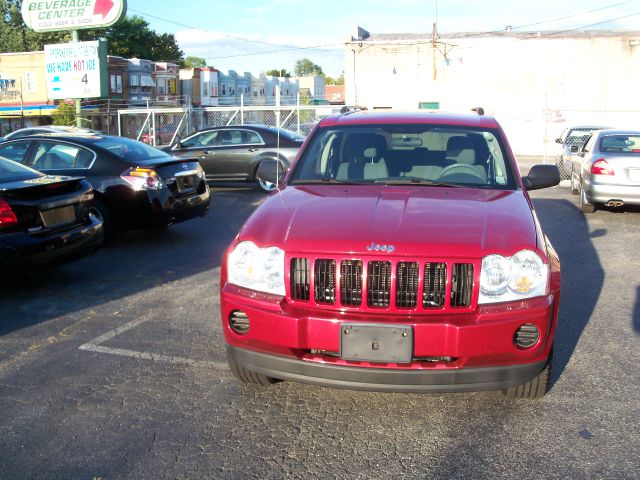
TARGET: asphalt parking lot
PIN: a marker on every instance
(114, 367)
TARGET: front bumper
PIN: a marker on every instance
(385, 379)
(451, 352)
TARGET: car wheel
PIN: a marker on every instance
(100, 210)
(265, 186)
(249, 377)
(537, 387)
(585, 206)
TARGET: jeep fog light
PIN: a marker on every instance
(260, 269)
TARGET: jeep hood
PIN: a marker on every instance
(415, 220)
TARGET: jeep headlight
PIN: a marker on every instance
(257, 268)
(503, 279)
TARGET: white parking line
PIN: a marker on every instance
(95, 345)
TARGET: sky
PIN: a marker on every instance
(255, 36)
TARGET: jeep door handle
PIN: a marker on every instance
(207, 152)
(253, 149)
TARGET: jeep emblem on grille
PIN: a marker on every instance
(376, 247)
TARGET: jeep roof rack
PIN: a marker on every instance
(352, 108)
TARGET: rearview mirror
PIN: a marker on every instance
(271, 171)
(574, 148)
(541, 176)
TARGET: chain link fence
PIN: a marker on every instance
(162, 126)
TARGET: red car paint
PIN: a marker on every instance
(422, 223)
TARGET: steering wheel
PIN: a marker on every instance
(462, 168)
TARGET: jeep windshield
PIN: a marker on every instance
(421, 155)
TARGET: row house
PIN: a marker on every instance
(199, 86)
(203, 87)
(23, 91)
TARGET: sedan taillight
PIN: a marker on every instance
(601, 167)
(142, 179)
(7, 215)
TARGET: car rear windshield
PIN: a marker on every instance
(128, 149)
(621, 144)
(406, 154)
(12, 172)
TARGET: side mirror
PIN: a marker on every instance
(541, 176)
(558, 140)
(271, 171)
(574, 148)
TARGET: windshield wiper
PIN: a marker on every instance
(419, 181)
(326, 180)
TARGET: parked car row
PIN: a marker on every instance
(604, 167)
(111, 184)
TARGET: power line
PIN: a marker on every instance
(557, 20)
(242, 39)
(591, 25)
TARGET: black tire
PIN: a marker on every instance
(585, 206)
(100, 210)
(266, 187)
(249, 377)
(537, 387)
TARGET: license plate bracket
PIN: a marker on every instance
(58, 216)
(376, 343)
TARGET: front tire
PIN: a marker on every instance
(537, 387)
(249, 377)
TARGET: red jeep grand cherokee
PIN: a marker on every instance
(400, 253)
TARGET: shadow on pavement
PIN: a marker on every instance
(582, 273)
(130, 263)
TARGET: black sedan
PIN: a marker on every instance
(234, 153)
(136, 186)
(43, 218)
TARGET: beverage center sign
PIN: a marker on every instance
(76, 70)
(51, 15)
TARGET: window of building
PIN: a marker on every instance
(31, 81)
(224, 89)
(205, 88)
(115, 83)
(161, 86)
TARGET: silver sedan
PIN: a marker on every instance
(606, 171)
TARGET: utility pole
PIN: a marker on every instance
(75, 37)
(21, 105)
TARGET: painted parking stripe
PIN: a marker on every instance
(95, 345)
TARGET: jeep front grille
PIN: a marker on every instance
(325, 281)
(351, 282)
(440, 285)
(379, 284)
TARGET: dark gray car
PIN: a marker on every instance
(234, 152)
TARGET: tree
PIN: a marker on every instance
(65, 114)
(334, 81)
(130, 37)
(16, 37)
(306, 67)
(194, 62)
(278, 72)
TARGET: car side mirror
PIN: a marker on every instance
(558, 140)
(541, 176)
(271, 171)
(574, 148)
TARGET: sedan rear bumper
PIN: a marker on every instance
(602, 193)
(21, 250)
